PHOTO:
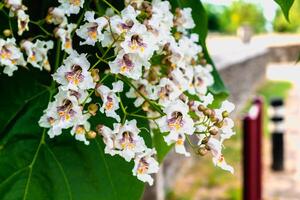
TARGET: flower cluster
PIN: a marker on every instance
(157, 66)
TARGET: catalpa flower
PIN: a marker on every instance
(56, 16)
(110, 99)
(81, 128)
(74, 74)
(23, 20)
(71, 6)
(37, 53)
(10, 56)
(50, 120)
(179, 145)
(220, 162)
(177, 121)
(167, 92)
(109, 138)
(144, 165)
(128, 142)
(67, 109)
(92, 30)
(139, 41)
(184, 19)
(123, 23)
(218, 159)
(202, 80)
(145, 88)
(64, 34)
(128, 64)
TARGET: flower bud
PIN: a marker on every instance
(93, 108)
(213, 131)
(219, 124)
(95, 75)
(202, 151)
(7, 32)
(91, 134)
(205, 140)
(201, 108)
(207, 112)
(225, 114)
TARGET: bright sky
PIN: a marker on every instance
(269, 6)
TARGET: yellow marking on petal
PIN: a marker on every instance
(79, 130)
(123, 68)
(93, 35)
(109, 105)
(75, 2)
(32, 58)
(180, 141)
(68, 44)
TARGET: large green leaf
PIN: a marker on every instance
(32, 166)
(201, 20)
(285, 7)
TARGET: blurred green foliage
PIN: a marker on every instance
(229, 19)
(281, 25)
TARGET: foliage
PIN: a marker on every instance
(280, 23)
(285, 7)
(239, 13)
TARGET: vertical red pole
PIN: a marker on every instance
(252, 152)
(259, 102)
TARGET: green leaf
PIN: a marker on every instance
(285, 7)
(200, 18)
(32, 166)
(162, 148)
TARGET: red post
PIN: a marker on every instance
(252, 152)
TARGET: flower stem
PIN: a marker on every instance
(111, 6)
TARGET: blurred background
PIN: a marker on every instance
(256, 51)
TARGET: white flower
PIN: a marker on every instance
(123, 23)
(109, 140)
(71, 6)
(92, 30)
(64, 112)
(179, 146)
(23, 20)
(56, 16)
(129, 65)
(167, 91)
(37, 53)
(74, 74)
(81, 128)
(226, 129)
(215, 147)
(139, 41)
(144, 165)
(177, 121)
(128, 141)
(145, 88)
(189, 47)
(184, 19)
(201, 81)
(67, 108)
(10, 56)
(64, 34)
(50, 119)
(225, 107)
(207, 100)
(161, 21)
(110, 99)
(220, 162)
